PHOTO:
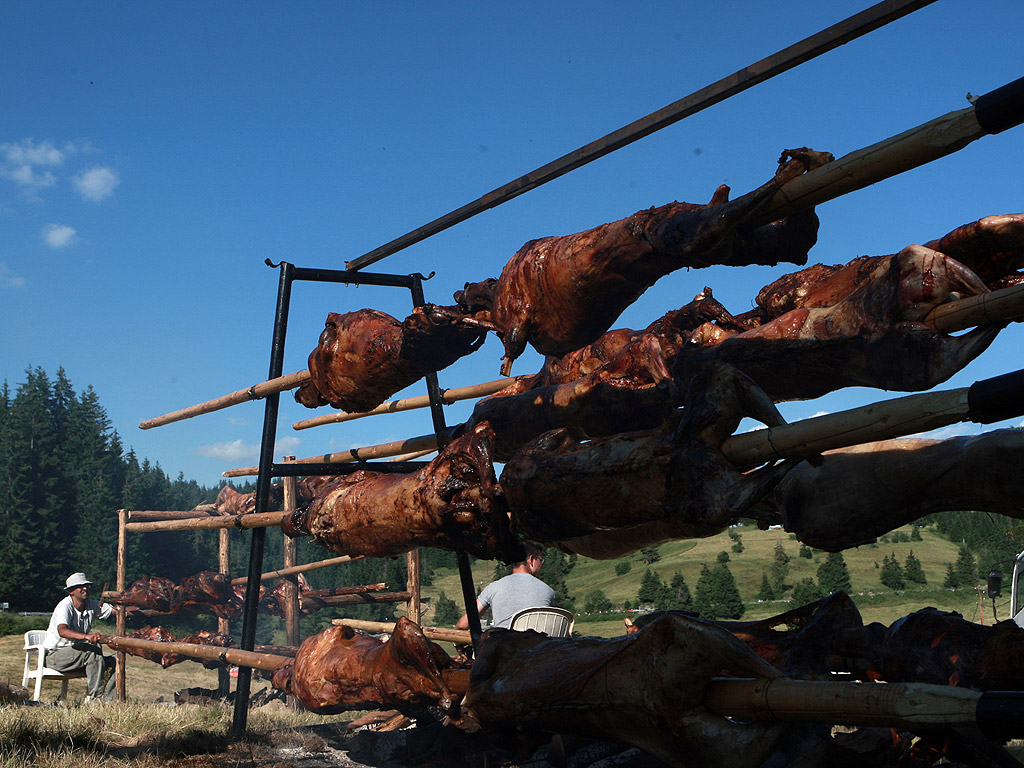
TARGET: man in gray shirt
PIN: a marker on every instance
(511, 594)
(70, 642)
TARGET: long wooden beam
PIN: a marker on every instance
(303, 568)
(261, 520)
(440, 634)
(838, 34)
(265, 661)
(448, 396)
(255, 392)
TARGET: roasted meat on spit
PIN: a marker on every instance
(675, 479)
(560, 293)
(363, 357)
(340, 669)
(452, 503)
(644, 689)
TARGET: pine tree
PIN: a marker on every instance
(651, 588)
(965, 568)
(915, 534)
(730, 604)
(765, 593)
(807, 591)
(912, 569)
(779, 571)
(892, 574)
(446, 612)
(703, 599)
(833, 574)
(679, 594)
(950, 582)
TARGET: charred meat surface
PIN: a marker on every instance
(453, 503)
(560, 293)
(151, 593)
(676, 478)
(859, 493)
(340, 669)
(644, 689)
(363, 357)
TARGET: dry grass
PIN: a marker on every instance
(142, 734)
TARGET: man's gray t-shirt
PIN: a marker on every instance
(513, 593)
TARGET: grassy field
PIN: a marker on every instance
(875, 601)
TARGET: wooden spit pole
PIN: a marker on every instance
(441, 634)
(303, 568)
(253, 659)
(251, 520)
(203, 510)
(448, 396)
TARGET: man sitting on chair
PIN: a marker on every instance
(509, 595)
(70, 642)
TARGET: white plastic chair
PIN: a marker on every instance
(38, 671)
(551, 621)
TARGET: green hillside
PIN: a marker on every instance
(875, 601)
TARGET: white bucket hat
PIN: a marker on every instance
(76, 580)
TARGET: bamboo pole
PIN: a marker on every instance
(331, 601)
(121, 680)
(350, 455)
(300, 568)
(255, 392)
(205, 510)
(252, 520)
(441, 634)
(864, 704)
(265, 661)
(448, 396)
(991, 308)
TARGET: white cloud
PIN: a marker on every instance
(28, 164)
(58, 235)
(8, 279)
(96, 183)
(234, 451)
(287, 446)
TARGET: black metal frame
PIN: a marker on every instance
(268, 469)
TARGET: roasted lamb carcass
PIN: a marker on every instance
(675, 479)
(938, 647)
(644, 689)
(210, 592)
(453, 503)
(157, 634)
(873, 336)
(232, 502)
(859, 493)
(620, 383)
(560, 293)
(363, 357)
(340, 669)
(150, 593)
(202, 637)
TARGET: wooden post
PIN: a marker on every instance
(223, 625)
(122, 583)
(412, 585)
(291, 590)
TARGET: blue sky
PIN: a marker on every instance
(152, 155)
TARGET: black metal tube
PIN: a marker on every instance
(348, 276)
(433, 388)
(469, 596)
(995, 399)
(821, 42)
(259, 535)
(333, 468)
(1002, 108)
